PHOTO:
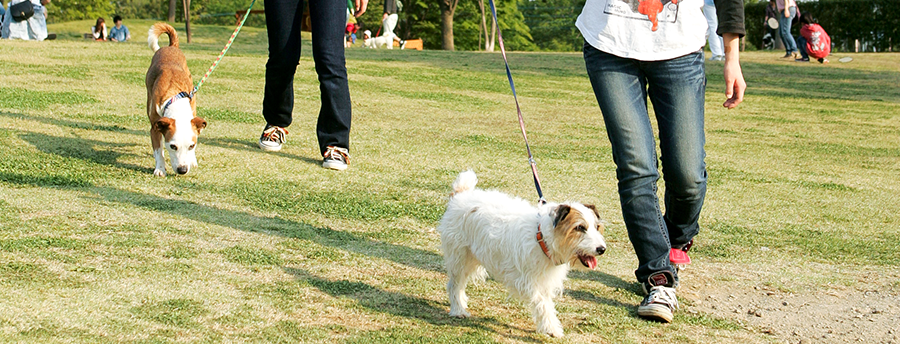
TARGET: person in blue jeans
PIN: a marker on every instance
(787, 10)
(283, 22)
(655, 50)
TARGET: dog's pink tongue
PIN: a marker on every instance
(589, 261)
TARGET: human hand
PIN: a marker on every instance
(787, 14)
(360, 7)
(734, 77)
(384, 17)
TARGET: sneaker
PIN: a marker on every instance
(823, 60)
(660, 303)
(796, 55)
(272, 138)
(402, 44)
(787, 55)
(336, 158)
(806, 59)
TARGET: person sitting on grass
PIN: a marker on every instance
(813, 40)
(119, 33)
(99, 30)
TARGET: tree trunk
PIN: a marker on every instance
(490, 44)
(172, 5)
(448, 8)
(187, 18)
(483, 25)
(447, 30)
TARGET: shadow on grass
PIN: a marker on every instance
(253, 147)
(589, 297)
(77, 124)
(606, 279)
(399, 304)
(814, 82)
(84, 149)
(228, 143)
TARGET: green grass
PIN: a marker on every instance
(269, 247)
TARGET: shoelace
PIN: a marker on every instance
(275, 134)
(663, 295)
(336, 153)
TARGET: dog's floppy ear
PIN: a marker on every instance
(561, 211)
(198, 123)
(164, 123)
(593, 208)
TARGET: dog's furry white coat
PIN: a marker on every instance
(377, 42)
(488, 232)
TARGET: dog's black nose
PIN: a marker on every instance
(182, 169)
(601, 249)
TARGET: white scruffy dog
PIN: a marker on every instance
(377, 42)
(488, 232)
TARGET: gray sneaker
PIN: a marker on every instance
(661, 303)
(272, 138)
(336, 158)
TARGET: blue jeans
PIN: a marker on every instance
(328, 19)
(802, 44)
(784, 25)
(676, 89)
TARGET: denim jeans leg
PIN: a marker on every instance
(620, 86)
(283, 19)
(801, 44)
(677, 91)
(784, 24)
(329, 18)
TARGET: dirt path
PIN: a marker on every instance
(809, 304)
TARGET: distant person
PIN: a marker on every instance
(119, 33)
(328, 19)
(771, 13)
(99, 30)
(788, 10)
(31, 28)
(716, 44)
(813, 40)
(389, 20)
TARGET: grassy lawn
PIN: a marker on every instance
(270, 247)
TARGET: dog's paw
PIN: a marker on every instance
(159, 172)
(555, 332)
(460, 314)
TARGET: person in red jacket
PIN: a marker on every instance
(813, 41)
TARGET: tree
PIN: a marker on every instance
(172, 6)
(448, 8)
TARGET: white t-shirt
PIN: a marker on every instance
(624, 28)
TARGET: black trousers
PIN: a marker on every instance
(328, 18)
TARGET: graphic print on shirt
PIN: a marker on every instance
(816, 43)
(653, 11)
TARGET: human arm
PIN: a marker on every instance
(360, 7)
(731, 28)
(734, 77)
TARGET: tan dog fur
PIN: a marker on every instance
(169, 75)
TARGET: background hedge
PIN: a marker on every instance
(875, 23)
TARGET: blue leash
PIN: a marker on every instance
(534, 173)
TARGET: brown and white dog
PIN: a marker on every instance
(528, 249)
(171, 108)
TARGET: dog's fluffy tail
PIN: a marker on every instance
(464, 182)
(157, 30)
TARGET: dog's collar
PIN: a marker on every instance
(543, 244)
(173, 99)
